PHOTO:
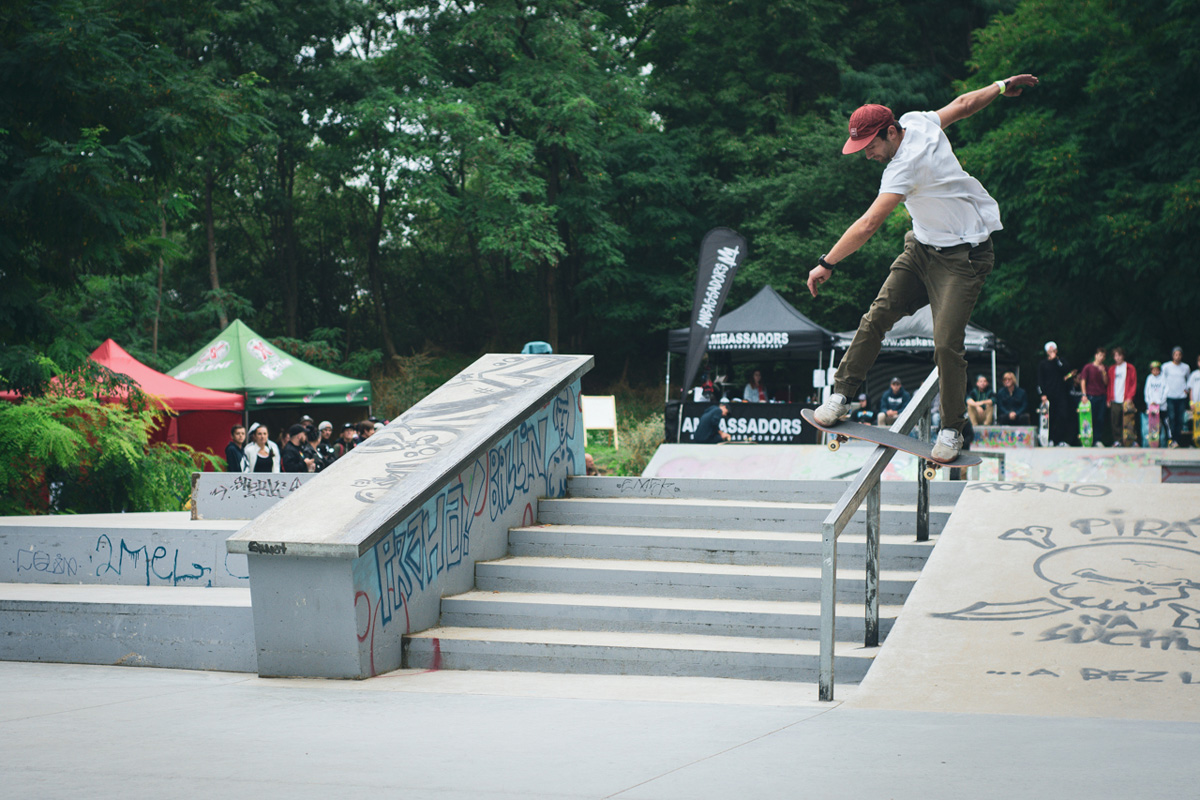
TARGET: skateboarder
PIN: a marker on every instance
(947, 255)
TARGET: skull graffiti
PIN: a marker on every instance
(1121, 576)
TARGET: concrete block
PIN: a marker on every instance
(242, 495)
(179, 628)
(363, 553)
(149, 549)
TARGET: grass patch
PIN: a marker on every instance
(640, 430)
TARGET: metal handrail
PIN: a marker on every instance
(865, 486)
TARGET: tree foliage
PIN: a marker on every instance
(1100, 201)
(365, 180)
(74, 450)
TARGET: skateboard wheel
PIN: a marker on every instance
(930, 473)
(834, 444)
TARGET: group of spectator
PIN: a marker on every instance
(1111, 390)
(303, 447)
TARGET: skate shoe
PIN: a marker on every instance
(832, 410)
(949, 443)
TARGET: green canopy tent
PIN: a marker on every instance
(239, 360)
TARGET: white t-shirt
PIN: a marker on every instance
(1118, 383)
(1194, 385)
(947, 205)
(1177, 377)
(1156, 390)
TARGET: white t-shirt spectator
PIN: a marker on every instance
(1176, 376)
(1156, 390)
(948, 207)
(1193, 385)
(1118, 382)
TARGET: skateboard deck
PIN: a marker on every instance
(1153, 425)
(1043, 434)
(886, 438)
(1085, 422)
(1129, 435)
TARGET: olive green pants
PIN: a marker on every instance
(949, 281)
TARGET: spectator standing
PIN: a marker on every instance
(1194, 395)
(1176, 373)
(326, 447)
(364, 430)
(261, 454)
(1012, 406)
(708, 429)
(1053, 376)
(862, 414)
(755, 392)
(348, 440)
(294, 457)
(1122, 388)
(1093, 380)
(235, 454)
(981, 402)
(1155, 394)
(893, 401)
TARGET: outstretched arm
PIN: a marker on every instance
(855, 237)
(967, 104)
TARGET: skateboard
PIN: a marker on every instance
(1043, 433)
(845, 431)
(1085, 422)
(1153, 425)
(1195, 424)
(1129, 435)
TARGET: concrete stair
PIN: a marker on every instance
(689, 578)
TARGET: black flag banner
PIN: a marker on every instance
(721, 253)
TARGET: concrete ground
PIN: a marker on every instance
(76, 731)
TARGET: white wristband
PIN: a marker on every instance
(1002, 86)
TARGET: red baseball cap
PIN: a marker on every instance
(865, 123)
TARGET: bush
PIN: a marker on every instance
(70, 452)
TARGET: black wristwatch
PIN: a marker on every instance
(822, 262)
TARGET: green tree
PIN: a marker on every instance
(1099, 197)
(74, 450)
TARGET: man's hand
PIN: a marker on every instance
(816, 277)
(1017, 83)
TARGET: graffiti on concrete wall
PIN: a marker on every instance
(458, 407)
(1111, 580)
(501, 486)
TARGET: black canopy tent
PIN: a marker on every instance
(765, 327)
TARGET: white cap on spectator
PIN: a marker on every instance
(1050, 346)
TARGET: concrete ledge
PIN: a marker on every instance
(241, 495)
(143, 626)
(151, 549)
(362, 554)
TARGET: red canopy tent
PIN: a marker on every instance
(204, 416)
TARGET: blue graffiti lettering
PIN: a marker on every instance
(142, 560)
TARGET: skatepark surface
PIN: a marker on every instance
(1049, 649)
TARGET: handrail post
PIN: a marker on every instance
(828, 609)
(871, 620)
